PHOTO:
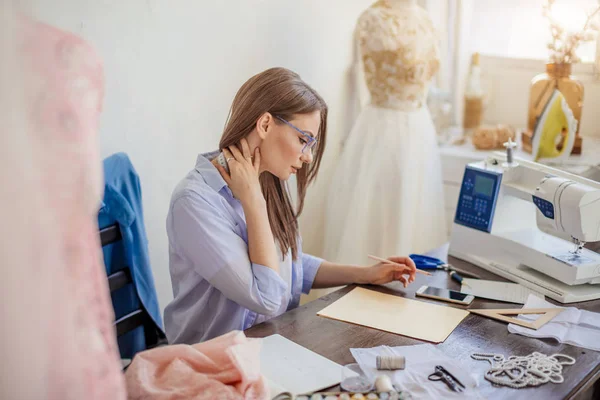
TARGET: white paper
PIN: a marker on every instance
(421, 361)
(501, 291)
(572, 326)
(294, 368)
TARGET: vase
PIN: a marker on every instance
(557, 76)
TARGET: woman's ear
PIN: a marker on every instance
(264, 124)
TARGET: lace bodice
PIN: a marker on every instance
(400, 54)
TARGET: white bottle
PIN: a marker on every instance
(473, 112)
(474, 88)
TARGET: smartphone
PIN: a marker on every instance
(448, 295)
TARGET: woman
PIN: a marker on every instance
(235, 250)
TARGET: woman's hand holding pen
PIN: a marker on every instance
(401, 269)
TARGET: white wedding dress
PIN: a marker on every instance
(386, 196)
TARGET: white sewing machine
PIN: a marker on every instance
(528, 223)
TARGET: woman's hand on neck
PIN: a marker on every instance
(254, 141)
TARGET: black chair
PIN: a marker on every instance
(138, 318)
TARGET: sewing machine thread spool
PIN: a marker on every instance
(390, 362)
(510, 145)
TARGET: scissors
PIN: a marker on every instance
(427, 262)
(441, 374)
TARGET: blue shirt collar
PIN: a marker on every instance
(209, 172)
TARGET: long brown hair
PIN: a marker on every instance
(283, 93)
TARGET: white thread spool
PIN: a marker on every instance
(383, 383)
(390, 362)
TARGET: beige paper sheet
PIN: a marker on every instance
(413, 318)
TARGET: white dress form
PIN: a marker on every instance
(386, 194)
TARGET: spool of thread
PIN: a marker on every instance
(390, 362)
(510, 145)
(383, 383)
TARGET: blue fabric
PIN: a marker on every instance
(216, 287)
(122, 204)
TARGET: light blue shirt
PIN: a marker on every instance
(216, 287)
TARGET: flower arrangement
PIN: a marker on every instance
(564, 44)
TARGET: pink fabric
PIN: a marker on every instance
(224, 368)
(58, 341)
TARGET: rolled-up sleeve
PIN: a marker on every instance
(208, 240)
(310, 266)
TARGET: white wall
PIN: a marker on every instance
(172, 68)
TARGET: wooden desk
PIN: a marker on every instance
(333, 339)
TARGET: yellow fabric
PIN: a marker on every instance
(556, 117)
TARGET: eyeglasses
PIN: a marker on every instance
(310, 142)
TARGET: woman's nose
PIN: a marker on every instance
(307, 156)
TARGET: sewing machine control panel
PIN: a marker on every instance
(546, 207)
(477, 200)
